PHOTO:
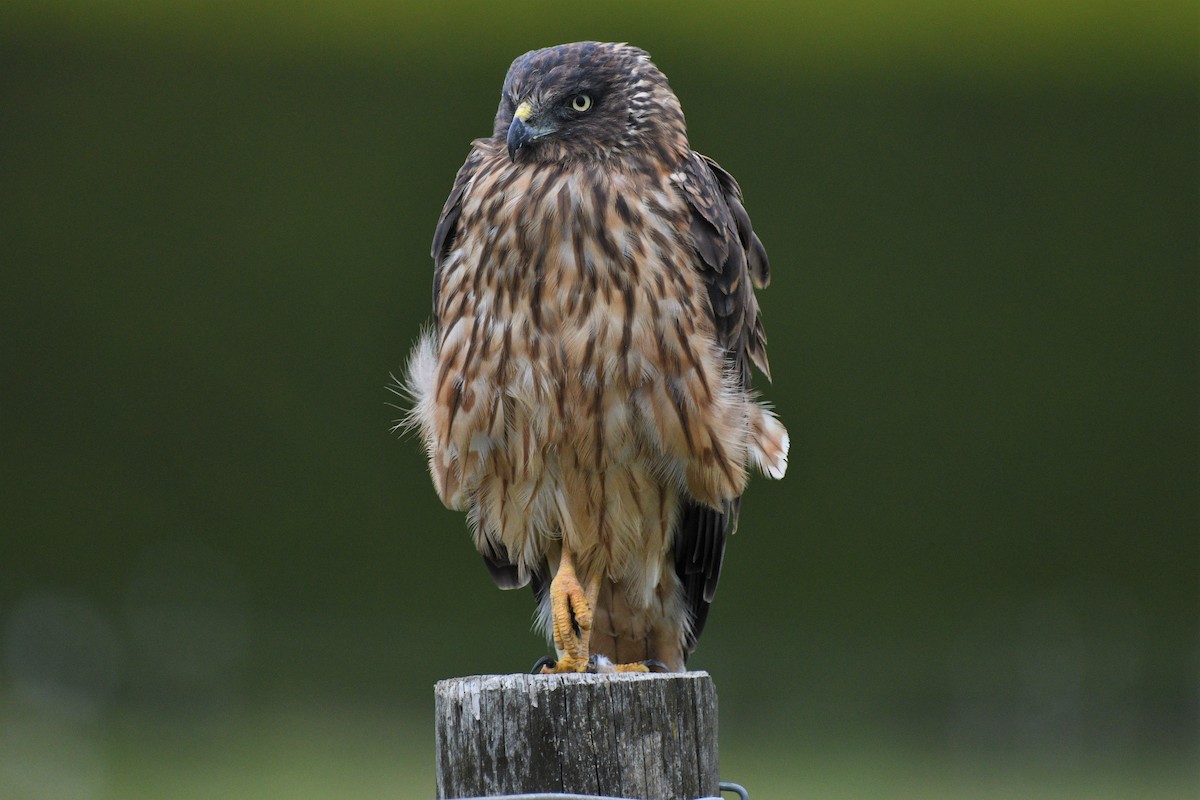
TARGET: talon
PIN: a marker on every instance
(565, 664)
(649, 665)
(539, 666)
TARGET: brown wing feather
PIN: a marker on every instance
(732, 261)
(499, 564)
(447, 227)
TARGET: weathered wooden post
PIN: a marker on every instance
(653, 737)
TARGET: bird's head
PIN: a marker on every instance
(588, 101)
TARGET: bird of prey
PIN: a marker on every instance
(584, 393)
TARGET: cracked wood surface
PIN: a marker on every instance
(652, 737)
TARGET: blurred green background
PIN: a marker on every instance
(222, 576)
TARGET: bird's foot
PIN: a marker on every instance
(565, 664)
(604, 666)
(649, 665)
(571, 615)
(596, 664)
(539, 666)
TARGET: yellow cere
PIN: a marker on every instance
(523, 111)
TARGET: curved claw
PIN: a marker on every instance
(544, 661)
(654, 665)
(568, 663)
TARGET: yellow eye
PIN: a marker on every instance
(581, 102)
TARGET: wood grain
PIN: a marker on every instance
(652, 737)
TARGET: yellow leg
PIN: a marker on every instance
(571, 615)
(571, 609)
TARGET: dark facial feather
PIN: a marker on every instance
(634, 110)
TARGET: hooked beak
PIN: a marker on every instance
(520, 133)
